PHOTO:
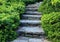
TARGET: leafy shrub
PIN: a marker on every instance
(51, 26)
(54, 2)
(9, 19)
(9, 7)
(8, 26)
(50, 6)
(30, 1)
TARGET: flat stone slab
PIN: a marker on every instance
(34, 30)
(30, 21)
(34, 5)
(33, 12)
(35, 40)
(20, 40)
(37, 16)
(31, 9)
(26, 39)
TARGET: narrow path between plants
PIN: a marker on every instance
(30, 29)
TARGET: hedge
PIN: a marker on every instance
(9, 7)
(51, 26)
(49, 6)
(8, 26)
(9, 19)
(30, 1)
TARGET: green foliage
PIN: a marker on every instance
(8, 26)
(54, 2)
(30, 1)
(49, 6)
(9, 19)
(51, 26)
(9, 7)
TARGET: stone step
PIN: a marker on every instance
(33, 13)
(30, 21)
(27, 39)
(31, 9)
(31, 6)
(31, 17)
(37, 4)
(34, 5)
(31, 30)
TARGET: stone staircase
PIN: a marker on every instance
(30, 29)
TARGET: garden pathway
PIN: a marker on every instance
(30, 29)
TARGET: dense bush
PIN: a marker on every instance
(30, 1)
(9, 19)
(9, 7)
(8, 26)
(50, 6)
(51, 25)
